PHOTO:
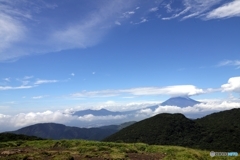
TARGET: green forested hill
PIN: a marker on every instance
(218, 131)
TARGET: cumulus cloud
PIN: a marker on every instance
(233, 85)
(228, 10)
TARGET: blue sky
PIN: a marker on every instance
(121, 55)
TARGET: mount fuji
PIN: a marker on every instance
(180, 102)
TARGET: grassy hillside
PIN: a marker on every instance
(82, 149)
(218, 131)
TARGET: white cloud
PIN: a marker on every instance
(7, 79)
(73, 74)
(45, 81)
(190, 8)
(177, 15)
(91, 117)
(102, 93)
(233, 85)
(39, 97)
(131, 12)
(169, 8)
(143, 20)
(230, 63)
(196, 111)
(8, 123)
(199, 7)
(15, 88)
(153, 9)
(231, 9)
(178, 90)
(127, 14)
(117, 23)
(28, 77)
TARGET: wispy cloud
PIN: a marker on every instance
(201, 9)
(117, 23)
(39, 97)
(41, 81)
(178, 90)
(102, 93)
(231, 9)
(153, 9)
(7, 79)
(235, 63)
(177, 15)
(143, 20)
(188, 90)
(21, 23)
(28, 77)
(15, 88)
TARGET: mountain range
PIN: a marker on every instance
(174, 101)
(60, 131)
(218, 131)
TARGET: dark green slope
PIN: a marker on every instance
(222, 129)
(219, 131)
(170, 129)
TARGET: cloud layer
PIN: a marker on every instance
(8, 123)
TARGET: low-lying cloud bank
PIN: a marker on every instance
(9, 123)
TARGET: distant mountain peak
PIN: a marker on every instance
(99, 112)
(180, 101)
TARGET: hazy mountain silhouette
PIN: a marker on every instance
(101, 112)
(180, 102)
(60, 131)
